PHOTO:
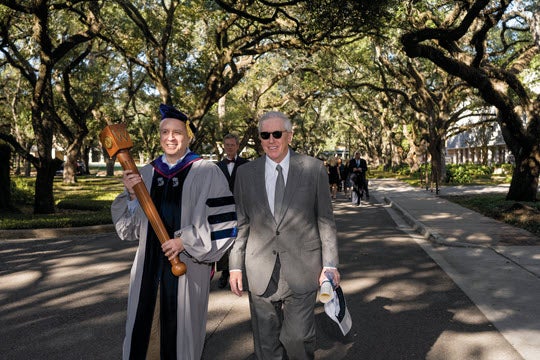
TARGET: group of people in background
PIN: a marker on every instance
(350, 178)
(270, 220)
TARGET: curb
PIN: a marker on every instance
(47, 233)
(425, 231)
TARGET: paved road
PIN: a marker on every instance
(402, 304)
(64, 298)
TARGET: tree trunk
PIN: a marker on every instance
(70, 167)
(5, 179)
(44, 198)
(438, 164)
(27, 168)
(86, 160)
(524, 185)
(109, 163)
(68, 175)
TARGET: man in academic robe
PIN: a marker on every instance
(193, 199)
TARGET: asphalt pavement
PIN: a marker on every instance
(495, 264)
(424, 279)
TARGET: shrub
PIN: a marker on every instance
(467, 173)
(84, 204)
(22, 190)
(507, 168)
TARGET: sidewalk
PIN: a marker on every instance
(481, 256)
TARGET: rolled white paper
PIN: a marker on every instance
(327, 292)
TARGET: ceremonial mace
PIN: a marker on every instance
(115, 139)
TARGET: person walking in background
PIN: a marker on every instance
(286, 244)
(358, 169)
(196, 205)
(334, 176)
(343, 176)
(229, 165)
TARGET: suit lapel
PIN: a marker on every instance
(233, 173)
(260, 182)
(223, 166)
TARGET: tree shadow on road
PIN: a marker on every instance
(64, 297)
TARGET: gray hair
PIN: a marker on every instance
(232, 136)
(276, 114)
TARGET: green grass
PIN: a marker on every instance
(88, 202)
(525, 215)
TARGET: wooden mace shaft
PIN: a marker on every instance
(125, 159)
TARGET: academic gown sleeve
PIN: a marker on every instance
(209, 214)
(127, 222)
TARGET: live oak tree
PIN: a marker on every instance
(490, 44)
(439, 101)
(315, 26)
(81, 83)
(194, 53)
(31, 46)
(5, 177)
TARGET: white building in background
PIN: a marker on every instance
(478, 146)
(483, 143)
(486, 142)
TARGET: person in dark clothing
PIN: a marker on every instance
(343, 171)
(334, 176)
(229, 165)
(358, 169)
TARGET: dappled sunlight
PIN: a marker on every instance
(471, 346)
(478, 237)
(18, 280)
(405, 304)
(388, 272)
(503, 293)
(398, 307)
(76, 269)
(75, 300)
(223, 303)
(437, 216)
(68, 293)
(357, 285)
(72, 294)
(469, 316)
(399, 290)
(227, 304)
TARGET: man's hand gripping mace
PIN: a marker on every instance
(115, 139)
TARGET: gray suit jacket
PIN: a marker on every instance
(304, 235)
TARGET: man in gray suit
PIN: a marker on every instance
(286, 244)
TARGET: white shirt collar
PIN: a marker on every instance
(164, 158)
(271, 164)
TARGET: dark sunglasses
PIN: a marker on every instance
(265, 135)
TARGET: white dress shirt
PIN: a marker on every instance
(230, 166)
